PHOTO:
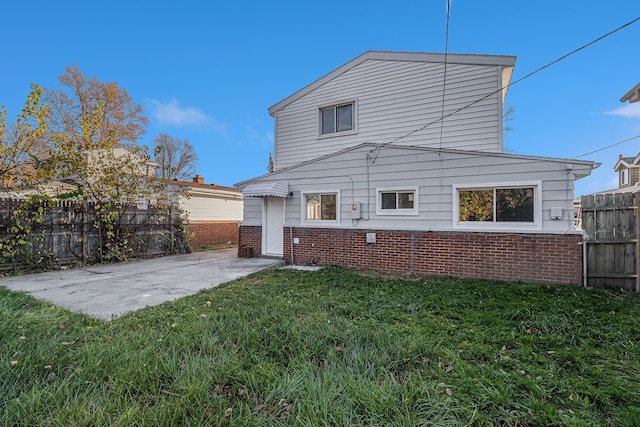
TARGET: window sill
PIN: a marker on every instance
(320, 223)
(398, 213)
(338, 134)
(492, 226)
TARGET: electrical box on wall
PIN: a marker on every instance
(556, 213)
(355, 210)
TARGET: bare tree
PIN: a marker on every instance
(508, 117)
(176, 158)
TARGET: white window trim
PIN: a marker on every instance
(624, 176)
(397, 212)
(319, 222)
(343, 133)
(495, 226)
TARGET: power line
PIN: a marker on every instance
(444, 78)
(608, 146)
(517, 81)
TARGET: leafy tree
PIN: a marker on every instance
(22, 146)
(93, 132)
(476, 205)
(89, 114)
(176, 158)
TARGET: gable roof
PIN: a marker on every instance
(624, 161)
(633, 95)
(627, 162)
(588, 164)
(508, 62)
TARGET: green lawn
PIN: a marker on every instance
(330, 348)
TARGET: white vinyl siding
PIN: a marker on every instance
(208, 207)
(252, 212)
(394, 99)
(434, 175)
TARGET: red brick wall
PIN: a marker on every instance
(541, 258)
(251, 236)
(213, 233)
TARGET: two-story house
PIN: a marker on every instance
(395, 162)
(628, 168)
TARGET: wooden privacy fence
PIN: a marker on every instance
(610, 224)
(48, 234)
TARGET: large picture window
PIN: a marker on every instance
(337, 118)
(320, 206)
(498, 206)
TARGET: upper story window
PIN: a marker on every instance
(624, 177)
(498, 206)
(391, 201)
(337, 118)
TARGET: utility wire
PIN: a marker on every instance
(608, 146)
(444, 78)
(516, 81)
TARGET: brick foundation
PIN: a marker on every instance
(250, 236)
(213, 233)
(539, 258)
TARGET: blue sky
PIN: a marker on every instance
(207, 71)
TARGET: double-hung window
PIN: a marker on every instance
(503, 206)
(397, 201)
(337, 118)
(320, 206)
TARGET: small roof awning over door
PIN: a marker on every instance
(266, 189)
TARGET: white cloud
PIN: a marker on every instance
(172, 113)
(630, 110)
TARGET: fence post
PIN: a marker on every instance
(172, 228)
(83, 234)
(637, 235)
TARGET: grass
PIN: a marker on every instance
(330, 348)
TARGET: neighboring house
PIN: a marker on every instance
(100, 164)
(628, 169)
(214, 212)
(369, 175)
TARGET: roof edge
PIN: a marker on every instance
(633, 95)
(588, 163)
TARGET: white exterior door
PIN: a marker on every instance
(272, 239)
